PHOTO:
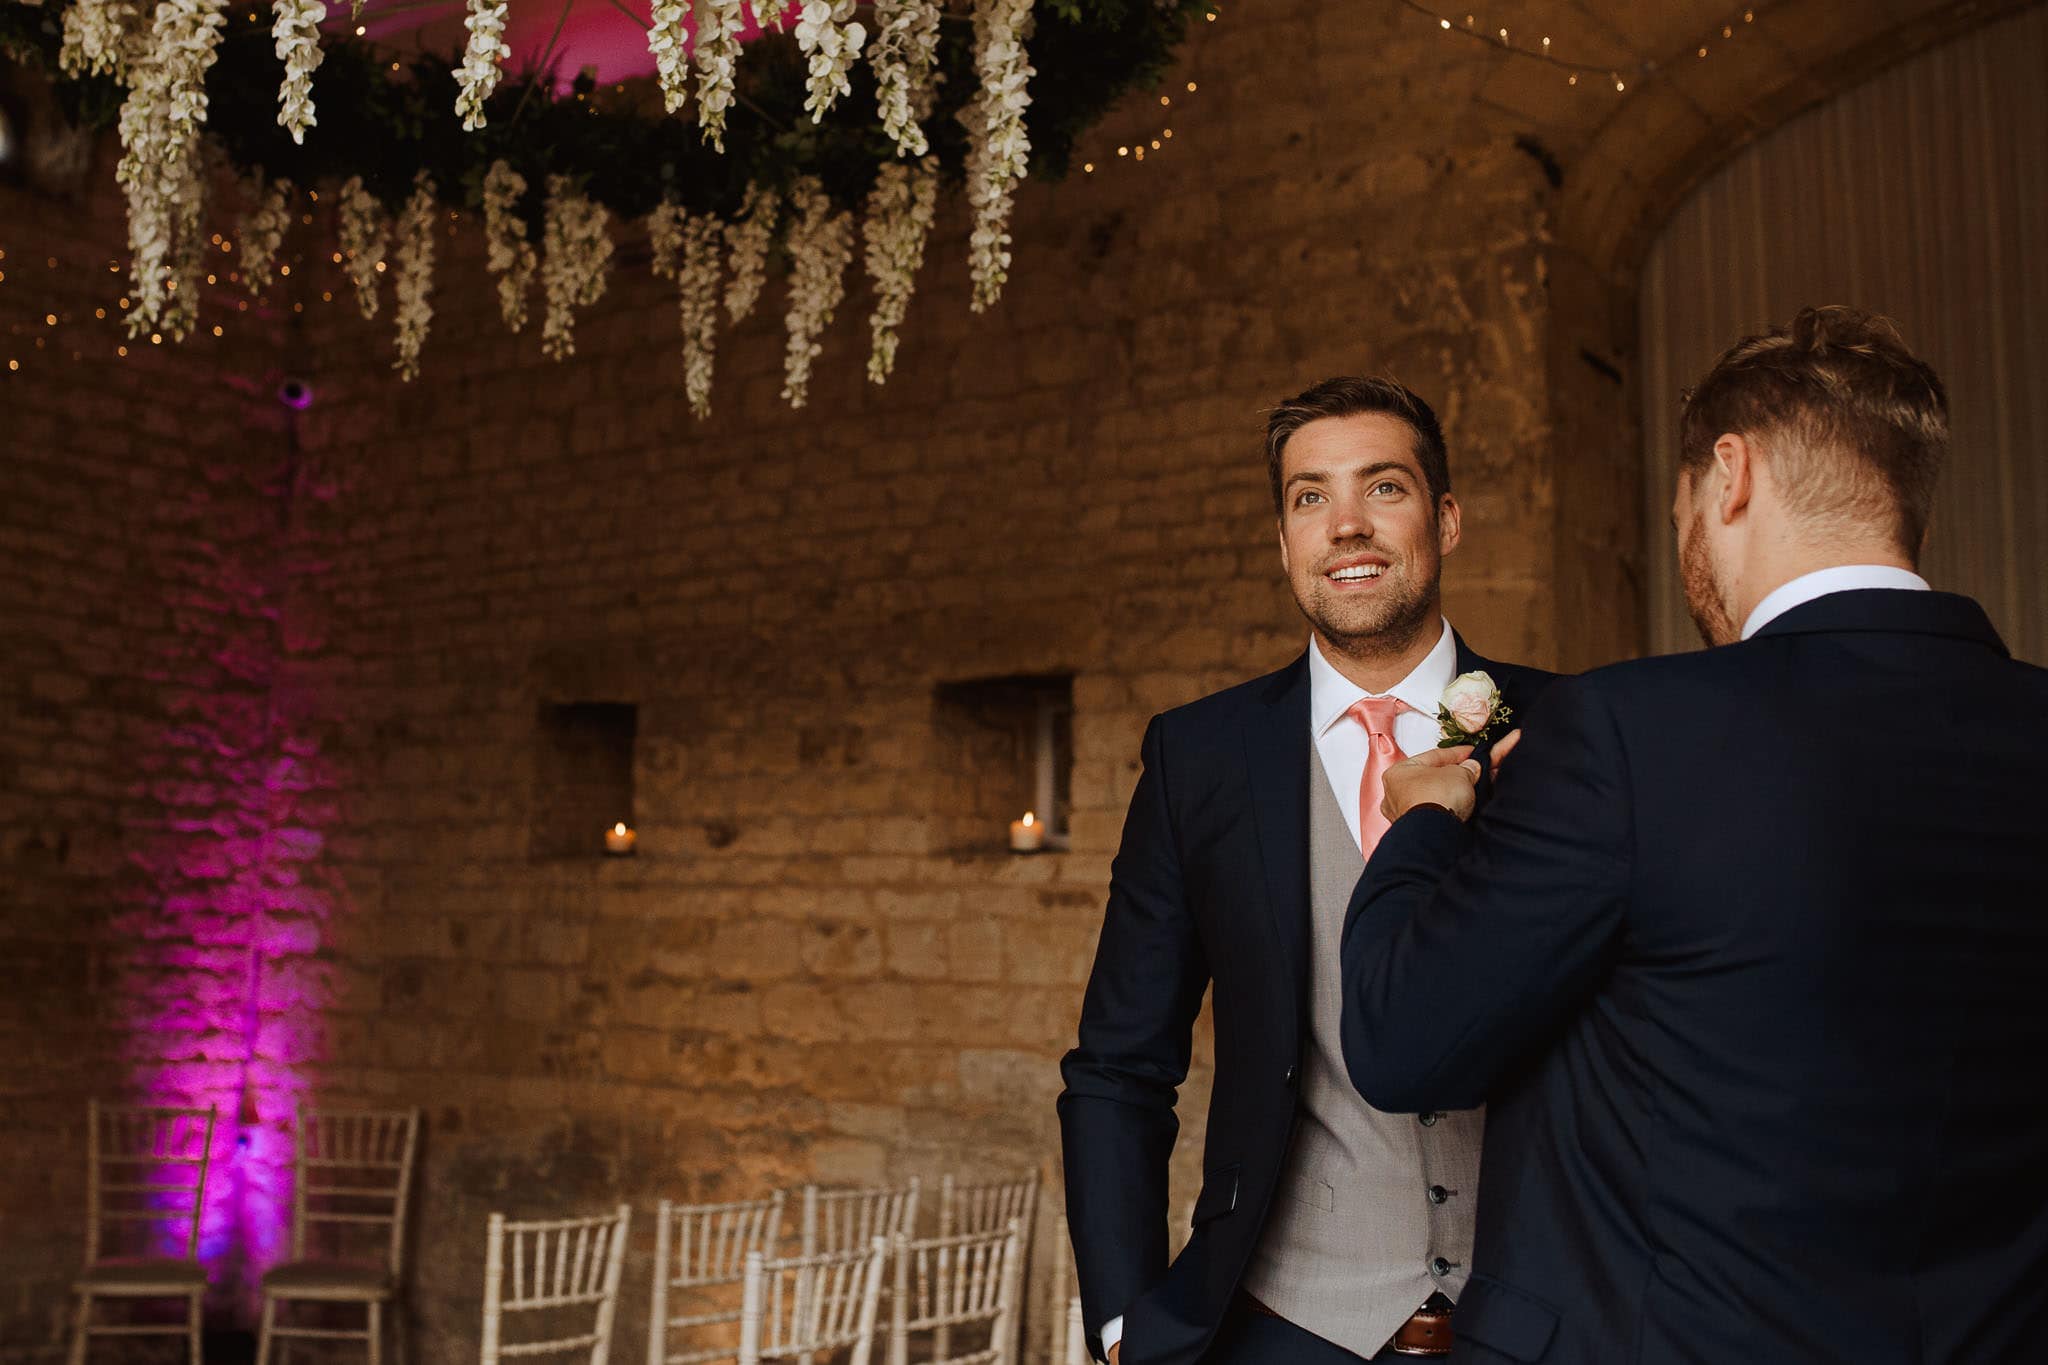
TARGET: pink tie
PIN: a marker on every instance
(1376, 714)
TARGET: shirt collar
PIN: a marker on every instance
(1840, 578)
(1331, 694)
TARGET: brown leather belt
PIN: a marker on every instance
(1426, 1333)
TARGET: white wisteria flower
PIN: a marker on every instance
(899, 220)
(159, 168)
(509, 255)
(97, 37)
(261, 228)
(296, 32)
(999, 150)
(188, 252)
(772, 16)
(669, 41)
(698, 290)
(415, 275)
(820, 245)
(365, 233)
(478, 75)
(576, 250)
(665, 238)
(717, 54)
(905, 55)
(748, 238)
(830, 37)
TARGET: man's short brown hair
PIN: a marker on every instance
(1350, 396)
(1854, 425)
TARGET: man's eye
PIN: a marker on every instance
(1306, 497)
(1388, 486)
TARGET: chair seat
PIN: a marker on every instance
(143, 1277)
(335, 1280)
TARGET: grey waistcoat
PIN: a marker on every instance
(1368, 1202)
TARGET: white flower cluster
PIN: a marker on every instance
(261, 231)
(698, 288)
(478, 75)
(296, 32)
(510, 256)
(820, 245)
(905, 53)
(899, 220)
(828, 34)
(669, 41)
(999, 151)
(159, 169)
(415, 275)
(576, 250)
(97, 37)
(771, 15)
(665, 238)
(718, 58)
(365, 233)
(748, 238)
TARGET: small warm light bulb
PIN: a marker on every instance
(1166, 132)
(380, 267)
(1546, 41)
(121, 350)
(1123, 151)
(1155, 144)
(156, 338)
(1727, 30)
(99, 313)
(14, 364)
(1191, 87)
(327, 296)
(1503, 35)
(1620, 86)
(216, 329)
(50, 319)
(1088, 167)
(1571, 80)
(1703, 52)
(1749, 16)
(1445, 22)
(1165, 100)
(361, 30)
(211, 280)
(284, 270)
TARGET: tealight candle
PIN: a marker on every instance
(618, 840)
(1027, 835)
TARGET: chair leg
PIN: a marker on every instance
(78, 1328)
(401, 1324)
(192, 1318)
(376, 1333)
(263, 1333)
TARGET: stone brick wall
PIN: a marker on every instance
(796, 978)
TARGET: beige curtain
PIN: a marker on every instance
(1924, 195)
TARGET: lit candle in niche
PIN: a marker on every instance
(619, 841)
(1027, 835)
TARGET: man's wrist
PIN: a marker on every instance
(1431, 805)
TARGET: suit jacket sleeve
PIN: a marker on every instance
(1117, 1122)
(1467, 944)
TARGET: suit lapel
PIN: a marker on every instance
(1276, 742)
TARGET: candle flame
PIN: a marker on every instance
(1029, 818)
(619, 828)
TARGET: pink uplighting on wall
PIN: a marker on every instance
(223, 982)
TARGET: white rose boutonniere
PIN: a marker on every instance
(1472, 711)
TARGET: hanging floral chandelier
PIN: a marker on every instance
(800, 130)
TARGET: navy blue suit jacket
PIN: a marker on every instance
(1210, 887)
(1748, 956)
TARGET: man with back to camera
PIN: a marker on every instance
(1747, 952)
(1324, 1231)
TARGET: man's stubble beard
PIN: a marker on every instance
(1395, 626)
(1703, 597)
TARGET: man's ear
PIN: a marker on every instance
(1280, 528)
(1735, 461)
(1450, 524)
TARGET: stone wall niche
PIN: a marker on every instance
(582, 776)
(1003, 746)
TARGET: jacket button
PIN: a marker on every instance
(1426, 1120)
(1437, 1194)
(1439, 1267)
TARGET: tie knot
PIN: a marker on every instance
(1377, 714)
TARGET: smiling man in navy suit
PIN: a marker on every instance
(1748, 953)
(1325, 1232)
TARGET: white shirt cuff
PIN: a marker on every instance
(1112, 1333)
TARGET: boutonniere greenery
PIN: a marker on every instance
(1472, 711)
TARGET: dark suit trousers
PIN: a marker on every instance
(1249, 1338)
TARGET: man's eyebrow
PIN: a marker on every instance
(1385, 467)
(1304, 476)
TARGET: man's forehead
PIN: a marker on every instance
(1368, 438)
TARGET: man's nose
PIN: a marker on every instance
(1351, 519)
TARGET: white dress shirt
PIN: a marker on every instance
(1341, 744)
(1821, 582)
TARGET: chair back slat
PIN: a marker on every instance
(353, 1172)
(847, 1220)
(146, 1165)
(547, 1265)
(700, 1262)
(986, 1207)
(806, 1305)
(969, 1280)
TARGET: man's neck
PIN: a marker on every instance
(1376, 663)
(1779, 569)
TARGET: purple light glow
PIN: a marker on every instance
(229, 895)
